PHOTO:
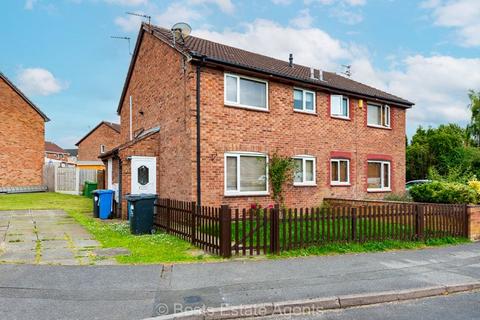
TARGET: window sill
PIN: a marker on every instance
(340, 118)
(298, 184)
(312, 113)
(241, 106)
(340, 185)
(247, 194)
(379, 190)
(379, 127)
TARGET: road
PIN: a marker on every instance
(464, 306)
(136, 292)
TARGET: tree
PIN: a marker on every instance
(473, 129)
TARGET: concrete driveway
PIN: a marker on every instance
(46, 237)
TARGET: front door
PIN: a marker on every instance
(144, 175)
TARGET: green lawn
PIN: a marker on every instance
(158, 248)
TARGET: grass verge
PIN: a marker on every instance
(144, 249)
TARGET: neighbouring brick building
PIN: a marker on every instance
(22, 138)
(199, 113)
(104, 137)
(54, 151)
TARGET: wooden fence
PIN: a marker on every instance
(70, 180)
(226, 232)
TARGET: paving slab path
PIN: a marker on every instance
(46, 237)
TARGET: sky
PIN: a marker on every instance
(61, 54)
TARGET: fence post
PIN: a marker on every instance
(275, 229)
(168, 215)
(420, 222)
(225, 232)
(354, 223)
(194, 221)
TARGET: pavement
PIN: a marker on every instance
(462, 306)
(138, 292)
(46, 237)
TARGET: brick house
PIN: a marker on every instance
(22, 138)
(55, 152)
(104, 137)
(199, 121)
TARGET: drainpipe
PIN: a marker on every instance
(130, 114)
(199, 178)
(119, 184)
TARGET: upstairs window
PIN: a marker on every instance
(340, 172)
(378, 176)
(304, 100)
(246, 174)
(339, 106)
(378, 115)
(246, 92)
(102, 148)
(304, 171)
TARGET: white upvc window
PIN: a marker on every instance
(378, 115)
(102, 148)
(379, 174)
(305, 171)
(339, 106)
(246, 173)
(339, 172)
(303, 100)
(246, 92)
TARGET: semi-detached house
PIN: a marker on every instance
(200, 119)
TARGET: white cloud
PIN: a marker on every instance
(462, 15)
(176, 13)
(224, 5)
(345, 11)
(38, 81)
(269, 38)
(303, 20)
(127, 2)
(346, 15)
(29, 4)
(129, 23)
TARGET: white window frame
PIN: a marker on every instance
(237, 192)
(237, 103)
(102, 148)
(304, 158)
(341, 99)
(385, 114)
(382, 175)
(339, 183)
(304, 101)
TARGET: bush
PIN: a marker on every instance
(444, 192)
(475, 185)
(399, 197)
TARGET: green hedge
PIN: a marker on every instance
(444, 192)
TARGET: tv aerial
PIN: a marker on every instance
(180, 31)
(145, 16)
(348, 70)
(124, 38)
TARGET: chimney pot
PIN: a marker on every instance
(290, 60)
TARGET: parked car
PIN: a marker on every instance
(412, 183)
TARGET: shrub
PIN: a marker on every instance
(444, 192)
(399, 197)
(475, 185)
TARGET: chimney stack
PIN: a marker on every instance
(290, 60)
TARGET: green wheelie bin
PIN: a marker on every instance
(88, 188)
(140, 210)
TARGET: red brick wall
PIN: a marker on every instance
(158, 87)
(22, 140)
(289, 133)
(89, 148)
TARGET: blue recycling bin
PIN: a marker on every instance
(105, 203)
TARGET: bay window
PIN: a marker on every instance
(304, 172)
(378, 178)
(245, 92)
(246, 174)
(378, 115)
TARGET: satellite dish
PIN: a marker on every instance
(181, 31)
